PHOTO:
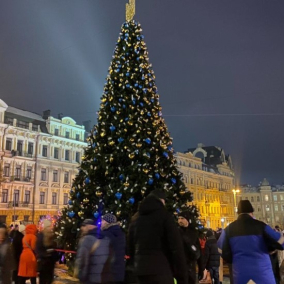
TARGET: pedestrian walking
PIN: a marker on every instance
(190, 238)
(155, 243)
(93, 257)
(7, 263)
(28, 261)
(212, 257)
(246, 244)
(111, 229)
(46, 254)
(17, 245)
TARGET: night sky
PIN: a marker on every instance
(219, 68)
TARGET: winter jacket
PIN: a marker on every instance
(118, 244)
(7, 262)
(93, 265)
(28, 262)
(191, 243)
(211, 256)
(246, 244)
(155, 243)
(17, 246)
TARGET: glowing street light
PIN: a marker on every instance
(235, 191)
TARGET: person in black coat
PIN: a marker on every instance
(17, 249)
(155, 244)
(212, 256)
(111, 229)
(190, 238)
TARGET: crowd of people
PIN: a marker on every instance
(156, 250)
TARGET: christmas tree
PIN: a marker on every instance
(129, 150)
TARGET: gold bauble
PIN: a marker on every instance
(126, 184)
(118, 213)
(111, 143)
(125, 130)
(103, 134)
(131, 156)
(106, 173)
(104, 100)
(131, 139)
(142, 112)
(111, 159)
(130, 122)
(145, 171)
(98, 193)
(138, 145)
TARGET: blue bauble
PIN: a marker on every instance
(87, 180)
(94, 145)
(127, 85)
(120, 139)
(123, 106)
(118, 195)
(120, 100)
(112, 128)
(152, 100)
(157, 175)
(70, 202)
(121, 177)
(113, 109)
(141, 104)
(96, 215)
(148, 113)
(170, 148)
(142, 36)
(136, 85)
(126, 119)
(138, 37)
(71, 214)
(165, 154)
(174, 181)
(178, 211)
(140, 86)
(134, 102)
(150, 181)
(127, 74)
(78, 195)
(131, 200)
(136, 152)
(95, 159)
(148, 155)
(148, 140)
(117, 70)
(143, 77)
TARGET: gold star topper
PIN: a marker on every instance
(130, 10)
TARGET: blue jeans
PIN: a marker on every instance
(214, 273)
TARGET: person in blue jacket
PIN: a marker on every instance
(111, 229)
(246, 244)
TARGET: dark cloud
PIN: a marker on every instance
(219, 67)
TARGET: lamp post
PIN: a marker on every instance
(222, 222)
(235, 191)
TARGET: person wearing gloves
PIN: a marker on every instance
(111, 229)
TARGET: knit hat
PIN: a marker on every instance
(22, 228)
(46, 223)
(245, 206)
(88, 222)
(209, 233)
(158, 193)
(186, 215)
(110, 218)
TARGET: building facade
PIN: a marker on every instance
(208, 173)
(39, 159)
(267, 201)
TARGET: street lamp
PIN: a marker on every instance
(235, 191)
(222, 222)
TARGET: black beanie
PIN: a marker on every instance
(209, 233)
(245, 206)
(186, 215)
(158, 194)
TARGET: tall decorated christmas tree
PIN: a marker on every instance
(129, 150)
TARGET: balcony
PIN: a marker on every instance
(21, 154)
(20, 178)
(12, 204)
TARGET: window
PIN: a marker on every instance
(252, 199)
(276, 207)
(56, 151)
(275, 197)
(67, 152)
(282, 207)
(65, 198)
(4, 195)
(257, 199)
(266, 197)
(27, 196)
(43, 174)
(18, 173)
(29, 172)
(267, 207)
(277, 218)
(20, 147)
(8, 144)
(67, 134)
(44, 151)
(3, 218)
(77, 137)
(258, 209)
(56, 131)
(78, 157)
(66, 177)
(14, 218)
(26, 218)
(42, 197)
(30, 148)
(54, 198)
(7, 170)
(16, 198)
(281, 197)
(55, 176)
